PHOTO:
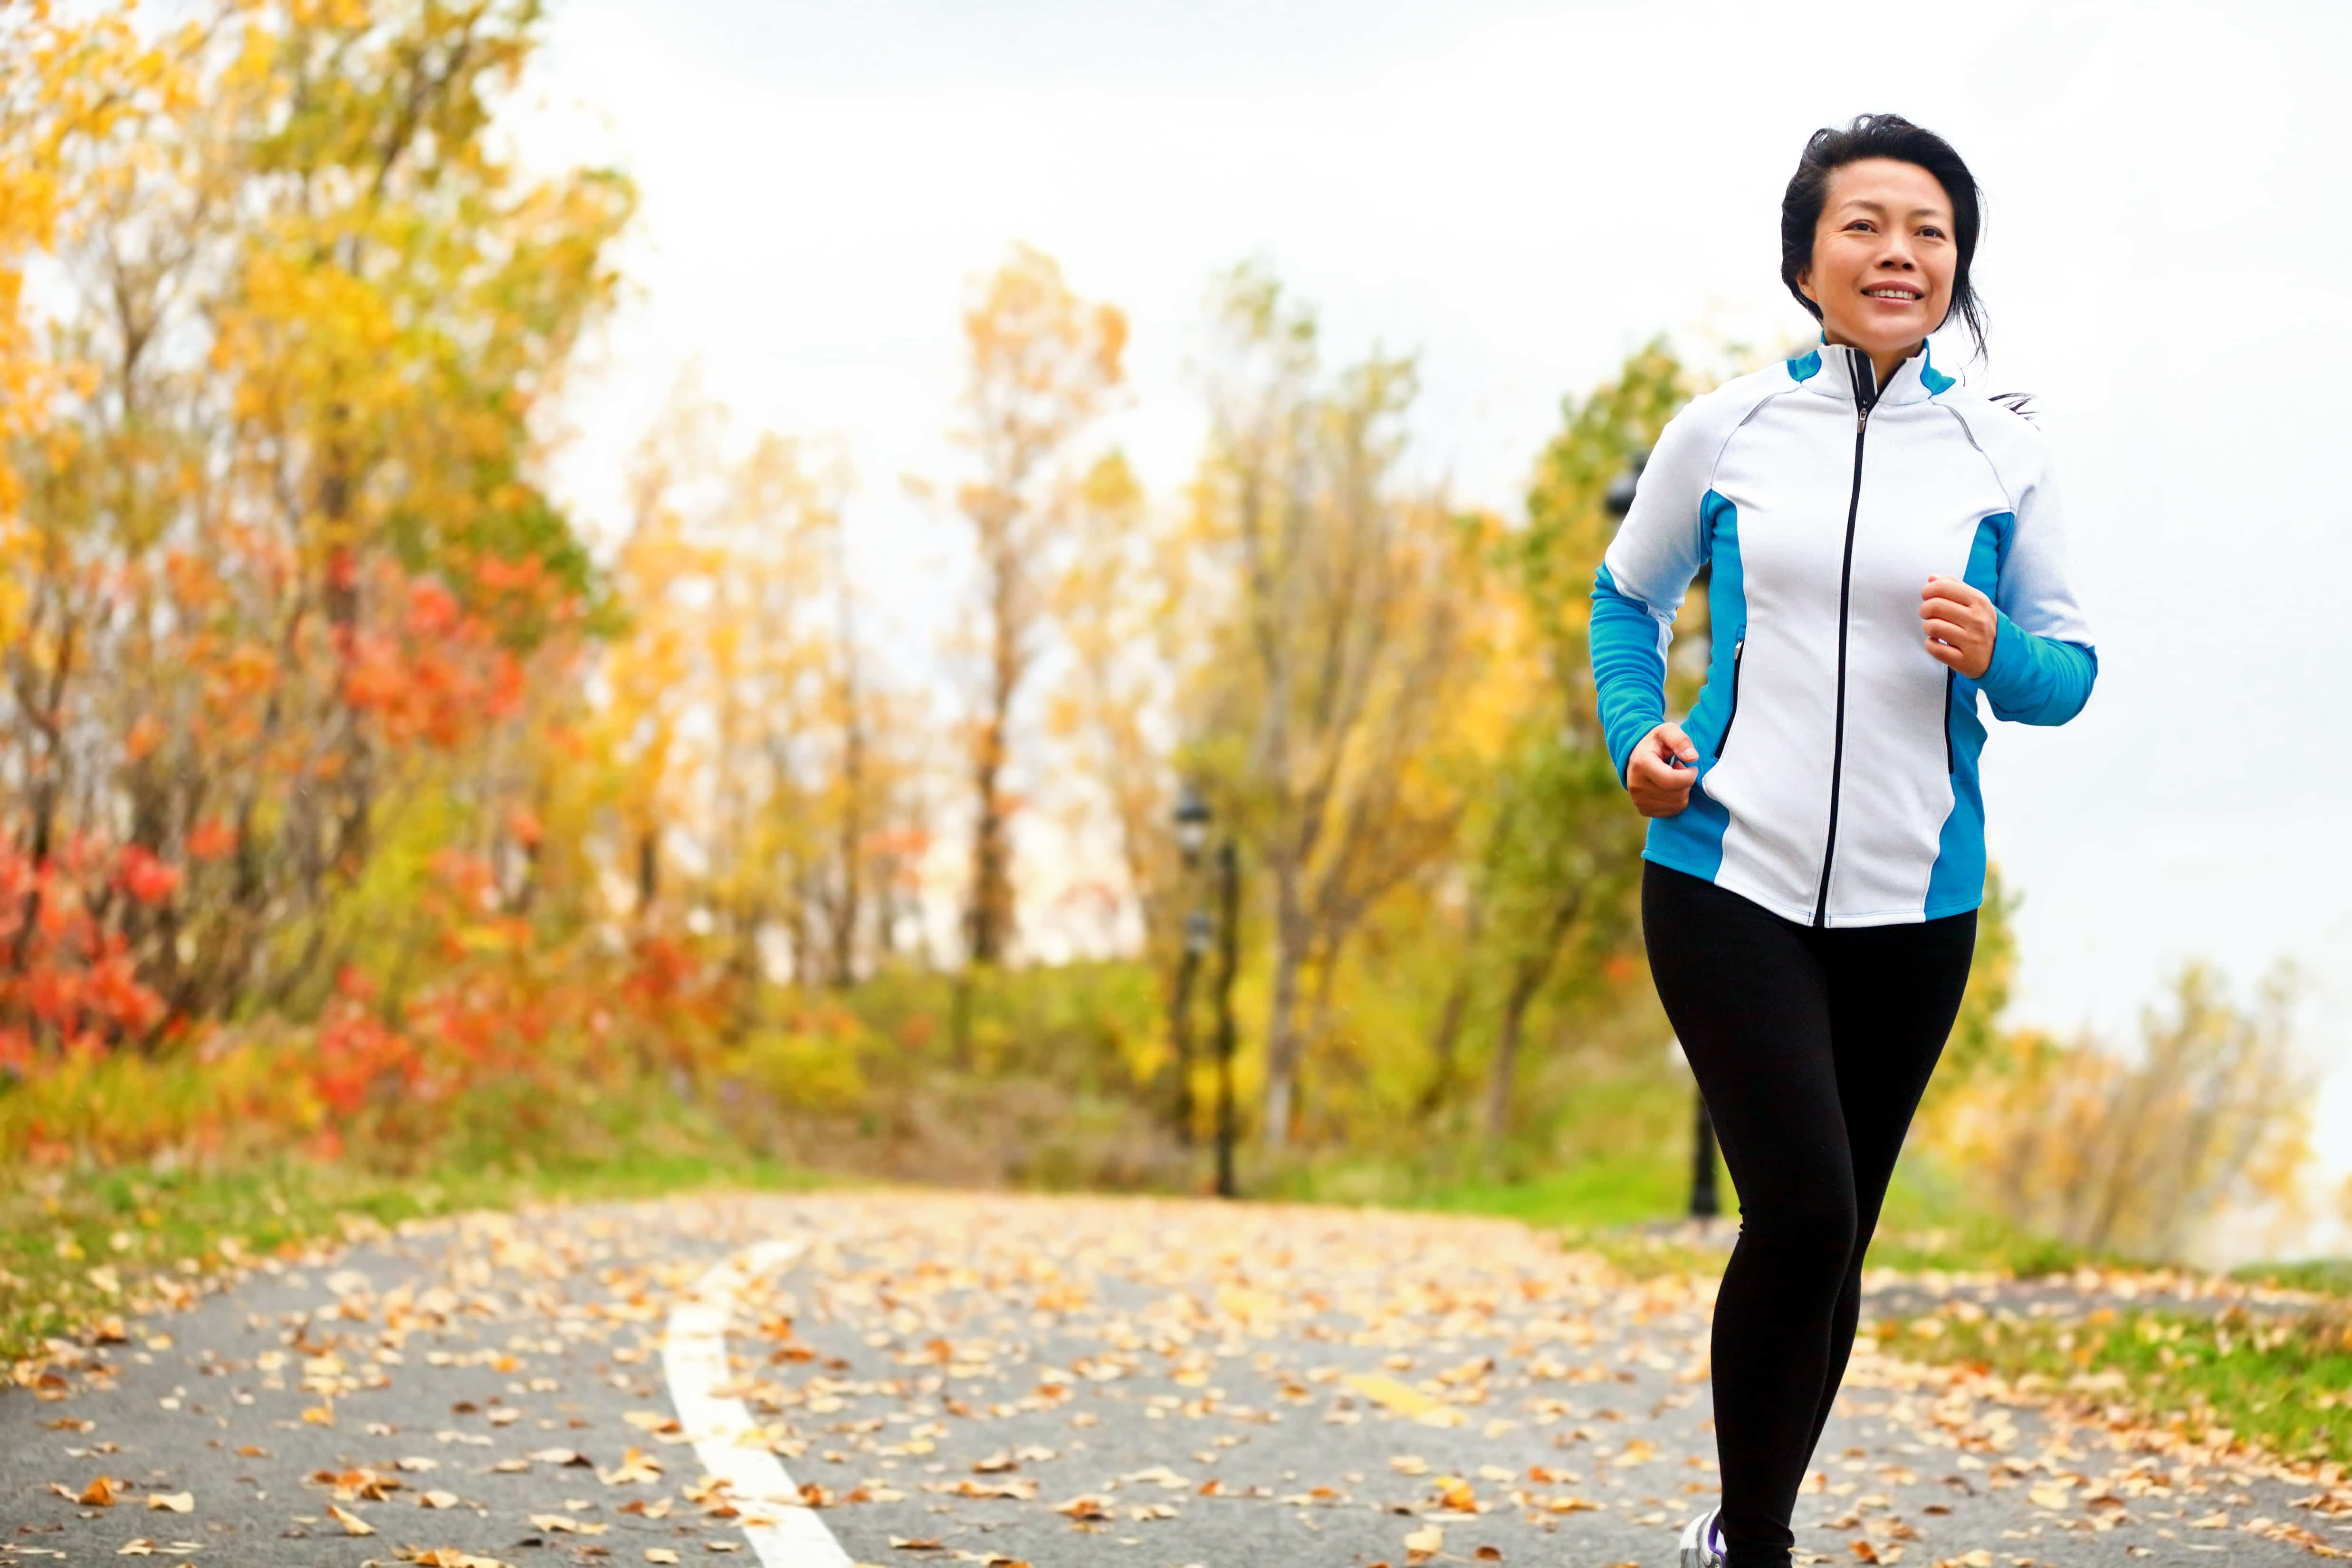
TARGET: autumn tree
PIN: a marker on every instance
(1556, 848)
(2135, 1152)
(1346, 603)
(287, 563)
(758, 770)
(1042, 365)
(1117, 607)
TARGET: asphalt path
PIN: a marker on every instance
(810, 1380)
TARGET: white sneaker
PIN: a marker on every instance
(1703, 1541)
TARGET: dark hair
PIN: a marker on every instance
(1882, 136)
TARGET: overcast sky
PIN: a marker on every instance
(1522, 193)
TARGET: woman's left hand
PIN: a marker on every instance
(1960, 623)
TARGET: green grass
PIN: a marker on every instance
(77, 1247)
(1601, 1190)
(1611, 1190)
(2284, 1383)
(1930, 1223)
(2321, 1275)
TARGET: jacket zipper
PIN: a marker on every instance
(1865, 397)
(1951, 765)
(1738, 652)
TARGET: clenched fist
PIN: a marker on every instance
(1960, 622)
(1658, 787)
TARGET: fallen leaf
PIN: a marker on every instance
(635, 1466)
(1388, 1391)
(173, 1502)
(353, 1523)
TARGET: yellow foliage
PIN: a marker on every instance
(811, 1068)
(2134, 1156)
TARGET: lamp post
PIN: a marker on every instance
(1192, 830)
(1704, 1203)
(1229, 907)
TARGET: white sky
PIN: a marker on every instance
(1523, 192)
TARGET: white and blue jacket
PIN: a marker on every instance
(1837, 771)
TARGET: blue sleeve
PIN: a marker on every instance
(1628, 667)
(1647, 569)
(2043, 660)
(2036, 679)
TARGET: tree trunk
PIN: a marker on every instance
(649, 872)
(1527, 977)
(1291, 936)
(850, 848)
(990, 920)
(1444, 1045)
(1526, 980)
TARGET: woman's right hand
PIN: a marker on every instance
(1658, 787)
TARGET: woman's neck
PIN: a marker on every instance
(1883, 364)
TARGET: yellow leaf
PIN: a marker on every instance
(1388, 1390)
(174, 1502)
(353, 1523)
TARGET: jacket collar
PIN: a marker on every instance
(1843, 373)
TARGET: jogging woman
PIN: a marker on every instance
(1885, 548)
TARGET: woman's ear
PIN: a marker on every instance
(1805, 284)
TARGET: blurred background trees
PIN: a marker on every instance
(350, 798)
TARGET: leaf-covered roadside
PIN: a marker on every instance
(2276, 1373)
(83, 1253)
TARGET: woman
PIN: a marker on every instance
(1885, 547)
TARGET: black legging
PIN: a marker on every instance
(1812, 1048)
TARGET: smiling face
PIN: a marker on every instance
(1883, 256)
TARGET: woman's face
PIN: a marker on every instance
(1884, 255)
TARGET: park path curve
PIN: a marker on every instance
(1067, 1383)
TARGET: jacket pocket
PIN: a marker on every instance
(1738, 652)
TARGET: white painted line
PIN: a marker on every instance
(786, 1532)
